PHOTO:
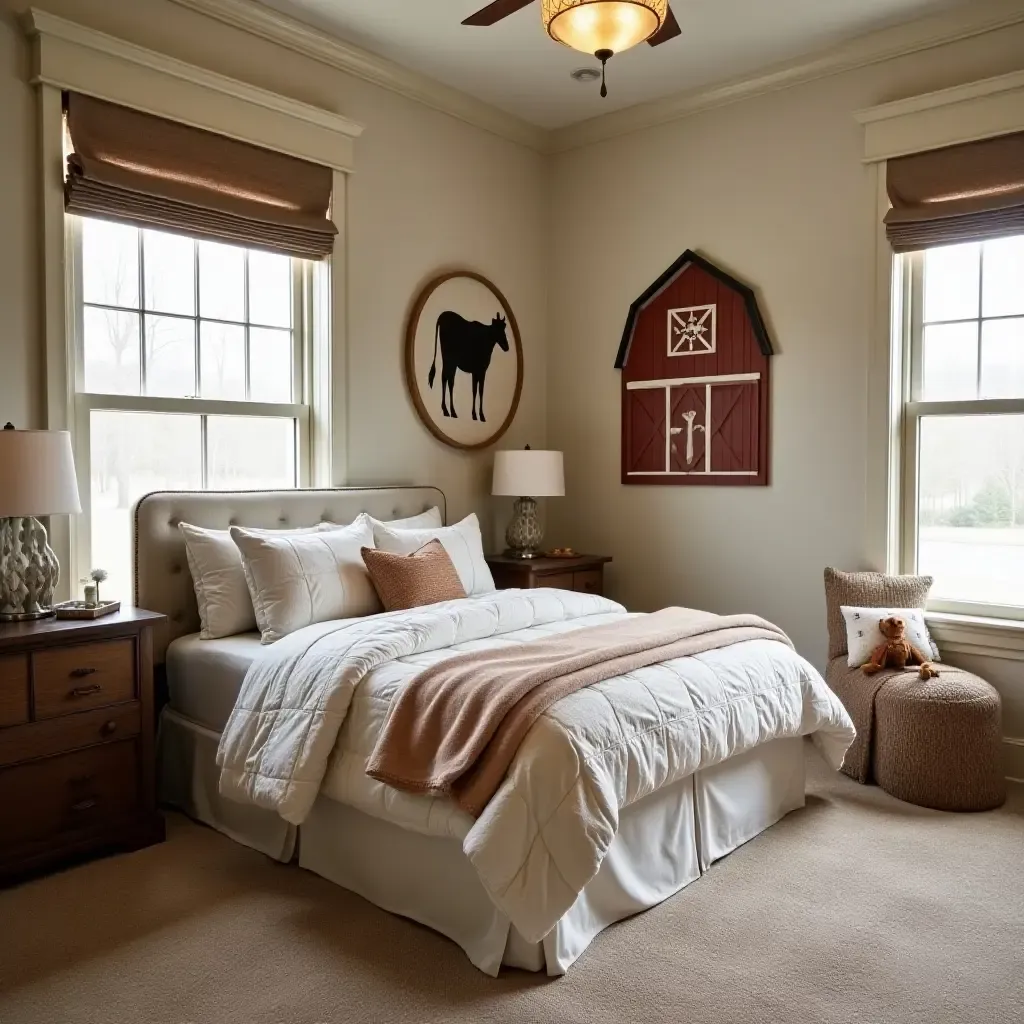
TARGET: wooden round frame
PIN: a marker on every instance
(410, 359)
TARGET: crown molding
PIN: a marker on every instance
(964, 22)
(259, 20)
(70, 56)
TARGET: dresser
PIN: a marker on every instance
(77, 726)
(584, 573)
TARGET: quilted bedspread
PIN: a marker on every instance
(311, 708)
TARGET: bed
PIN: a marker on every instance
(412, 854)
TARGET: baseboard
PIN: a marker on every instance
(1013, 748)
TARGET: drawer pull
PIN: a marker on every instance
(108, 728)
(84, 805)
(81, 673)
(86, 691)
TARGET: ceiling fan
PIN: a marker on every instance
(600, 27)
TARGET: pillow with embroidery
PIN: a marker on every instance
(863, 634)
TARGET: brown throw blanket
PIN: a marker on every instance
(857, 691)
(456, 727)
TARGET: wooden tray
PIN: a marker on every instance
(80, 610)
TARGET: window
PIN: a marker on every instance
(963, 488)
(189, 375)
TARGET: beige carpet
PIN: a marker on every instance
(857, 909)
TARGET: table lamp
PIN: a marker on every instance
(538, 474)
(37, 478)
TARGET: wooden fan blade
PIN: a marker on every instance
(667, 31)
(493, 13)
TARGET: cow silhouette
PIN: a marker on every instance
(465, 345)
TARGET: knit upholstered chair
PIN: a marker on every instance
(937, 742)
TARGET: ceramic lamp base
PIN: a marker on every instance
(524, 533)
(29, 570)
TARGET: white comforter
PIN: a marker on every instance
(601, 748)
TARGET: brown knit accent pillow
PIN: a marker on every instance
(427, 576)
(867, 590)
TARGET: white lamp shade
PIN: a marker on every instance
(528, 474)
(37, 474)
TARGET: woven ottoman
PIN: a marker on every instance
(938, 743)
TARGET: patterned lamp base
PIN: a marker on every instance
(28, 570)
(524, 534)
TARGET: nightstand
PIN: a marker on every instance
(584, 573)
(77, 764)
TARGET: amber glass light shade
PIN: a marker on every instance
(593, 25)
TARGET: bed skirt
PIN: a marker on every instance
(187, 778)
(664, 843)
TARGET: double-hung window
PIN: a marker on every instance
(190, 364)
(193, 272)
(963, 423)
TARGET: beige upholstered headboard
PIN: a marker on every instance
(162, 580)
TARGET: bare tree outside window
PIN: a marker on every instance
(969, 412)
(170, 324)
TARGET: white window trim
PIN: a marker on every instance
(68, 56)
(967, 113)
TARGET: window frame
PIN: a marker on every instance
(908, 305)
(84, 403)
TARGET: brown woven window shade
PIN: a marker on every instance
(964, 193)
(154, 173)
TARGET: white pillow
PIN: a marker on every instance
(425, 520)
(298, 579)
(462, 542)
(863, 634)
(225, 607)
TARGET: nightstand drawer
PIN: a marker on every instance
(83, 676)
(558, 581)
(13, 689)
(69, 732)
(74, 793)
(589, 582)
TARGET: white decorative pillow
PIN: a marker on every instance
(225, 607)
(424, 521)
(298, 579)
(462, 542)
(863, 634)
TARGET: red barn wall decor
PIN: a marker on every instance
(695, 358)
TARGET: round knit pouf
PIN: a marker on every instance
(938, 742)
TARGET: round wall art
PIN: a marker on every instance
(464, 360)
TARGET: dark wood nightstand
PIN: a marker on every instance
(77, 764)
(584, 573)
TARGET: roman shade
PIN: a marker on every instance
(964, 193)
(154, 173)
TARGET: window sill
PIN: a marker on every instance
(973, 634)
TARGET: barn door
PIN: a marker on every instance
(734, 429)
(688, 428)
(644, 450)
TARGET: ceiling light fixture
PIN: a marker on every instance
(603, 27)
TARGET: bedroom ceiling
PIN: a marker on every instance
(516, 67)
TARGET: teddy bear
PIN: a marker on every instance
(897, 652)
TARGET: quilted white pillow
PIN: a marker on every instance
(863, 634)
(225, 607)
(462, 542)
(298, 579)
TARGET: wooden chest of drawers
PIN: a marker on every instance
(77, 767)
(585, 573)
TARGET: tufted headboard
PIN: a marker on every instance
(162, 580)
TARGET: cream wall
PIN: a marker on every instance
(429, 193)
(774, 190)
